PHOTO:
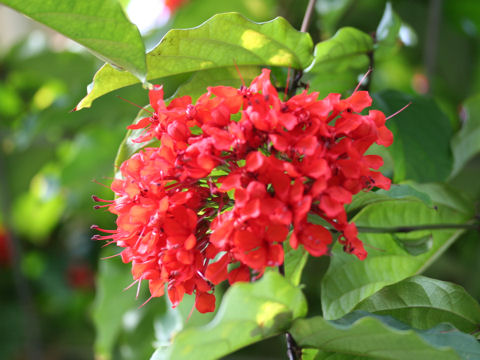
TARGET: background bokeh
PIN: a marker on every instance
(52, 159)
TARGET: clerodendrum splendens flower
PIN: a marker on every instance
(235, 176)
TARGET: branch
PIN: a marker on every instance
(407, 229)
(308, 16)
(294, 352)
(297, 74)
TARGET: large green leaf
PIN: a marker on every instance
(348, 280)
(99, 25)
(294, 262)
(248, 313)
(222, 41)
(338, 61)
(422, 132)
(466, 143)
(382, 337)
(423, 303)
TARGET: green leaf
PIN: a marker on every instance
(127, 148)
(348, 280)
(446, 195)
(338, 61)
(389, 27)
(402, 191)
(466, 143)
(222, 41)
(294, 262)
(111, 303)
(249, 313)
(382, 337)
(422, 132)
(423, 303)
(99, 25)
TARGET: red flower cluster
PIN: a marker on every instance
(236, 174)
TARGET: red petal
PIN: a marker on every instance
(241, 273)
(205, 302)
(157, 287)
(293, 240)
(246, 240)
(175, 294)
(217, 271)
(359, 100)
(330, 206)
(140, 124)
(254, 160)
(385, 136)
(275, 255)
(315, 239)
(229, 182)
(156, 98)
(279, 142)
(373, 161)
(276, 233)
(307, 145)
(256, 259)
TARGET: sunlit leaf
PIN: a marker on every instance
(338, 61)
(99, 25)
(222, 41)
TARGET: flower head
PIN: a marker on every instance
(236, 175)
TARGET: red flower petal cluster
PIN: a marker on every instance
(237, 173)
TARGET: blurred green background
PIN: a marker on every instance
(52, 159)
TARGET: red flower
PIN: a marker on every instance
(173, 5)
(236, 173)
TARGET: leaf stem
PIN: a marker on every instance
(308, 16)
(294, 352)
(407, 229)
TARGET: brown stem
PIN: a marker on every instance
(407, 229)
(308, 16)
(297, 74)
(294, 352)
(431, 43)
